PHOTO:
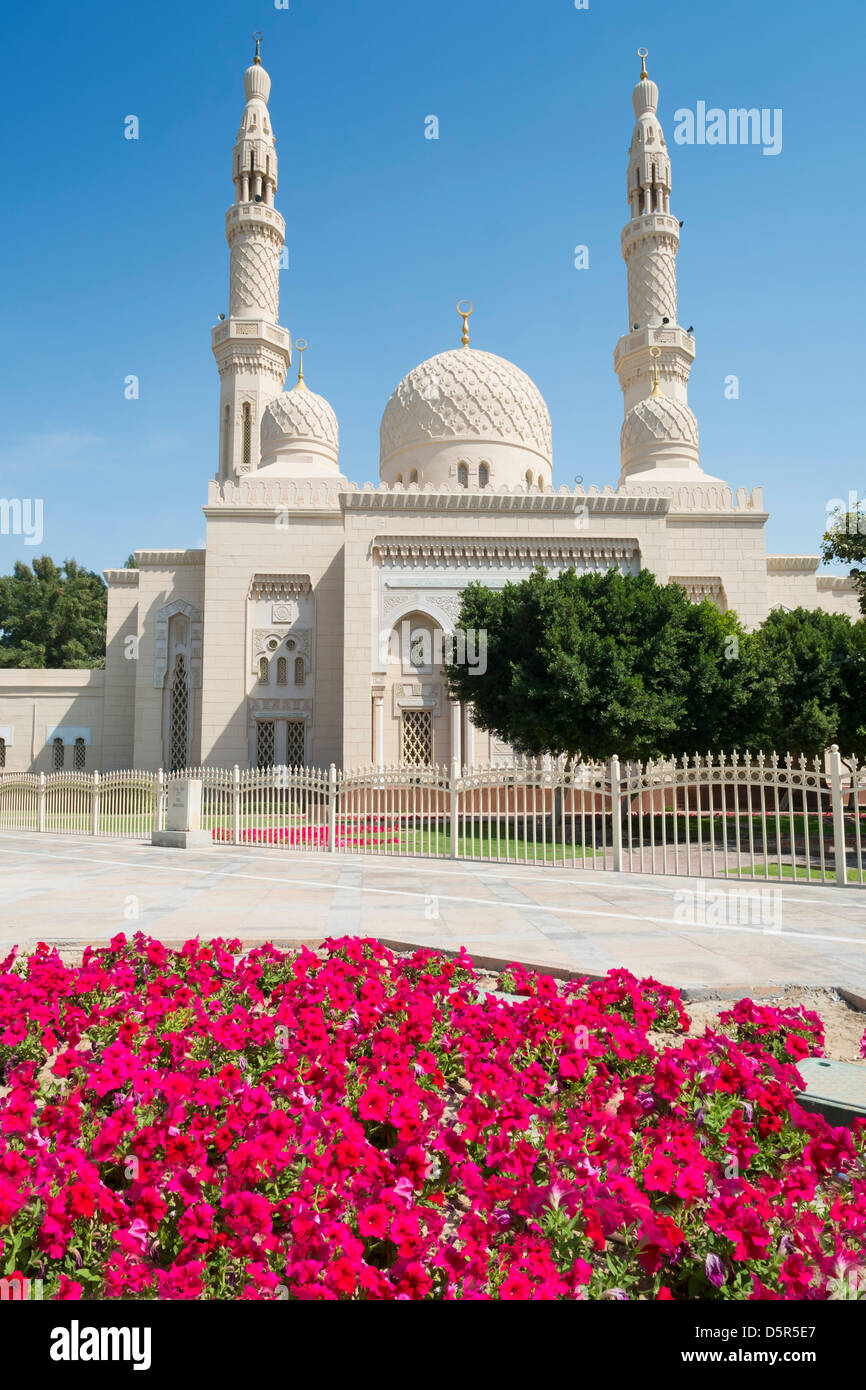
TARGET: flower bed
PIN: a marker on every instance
(355, 1124)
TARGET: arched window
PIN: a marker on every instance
(299, 670)
(247, 432)
(399, 479)
(462, 475)
(529, 477)
(79, 755)
(2, 752)
(282, 671)
(413, 476)
(59, 754)
(540, 483)
(483, 475)
(264, 671)
(178, 729)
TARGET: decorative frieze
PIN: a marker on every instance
(280, 587)
(508, 551)
(799, 564)
(699, 587)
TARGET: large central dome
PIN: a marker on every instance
(466, 418)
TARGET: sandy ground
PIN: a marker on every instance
(844, 1025)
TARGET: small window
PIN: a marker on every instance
(529, 477)
(282, 671)
(59, 754)
(247, 432)
(2, 752)
(462, 475)
(540, 483)
(79, 755)
(264, 671)
(413, 476)
(483, 475)
(300, 676)
(399, 479)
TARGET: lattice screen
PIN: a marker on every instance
(2, 752)
(79, 756)
(265, 743)
(295, 743)
(59, 753)
(417, 737)
(178, 727)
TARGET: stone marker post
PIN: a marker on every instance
(183, 817)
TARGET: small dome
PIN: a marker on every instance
(464, 402)
(659, 442)
(645, 97)
(299, 434)
(658, 420)
(257, 83)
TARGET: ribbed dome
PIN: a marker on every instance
(645, 97)
(257, 83)
(658, 420)
(300, 426)
(466, 396)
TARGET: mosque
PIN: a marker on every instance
(266, 647)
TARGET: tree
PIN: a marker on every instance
(597, 664)
(131, 562)
(809, 686)
(846, 541)
(52, 617)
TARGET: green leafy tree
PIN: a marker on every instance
(846, 541)
(52, 616)
(597, 664)
(809, 682)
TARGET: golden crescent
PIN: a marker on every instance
(301, 344)
(465, 312)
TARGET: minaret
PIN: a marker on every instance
(252, 351)
(659, 439)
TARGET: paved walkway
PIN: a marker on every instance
(695, 934)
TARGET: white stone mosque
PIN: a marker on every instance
(266, 646)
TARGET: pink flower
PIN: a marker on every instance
(374, 1221)
(659, 1174)
(374, 1104)
(69, 1288)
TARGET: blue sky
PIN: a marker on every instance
(116, 261)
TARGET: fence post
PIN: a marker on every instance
(94, 805)
(157, 800)
(40, 803)
(615, 812)
(455, 777)
(236, 804)
(332, 808)
(838, 815)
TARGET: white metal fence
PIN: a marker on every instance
(721, 816)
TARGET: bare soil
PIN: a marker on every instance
(844, 1025)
